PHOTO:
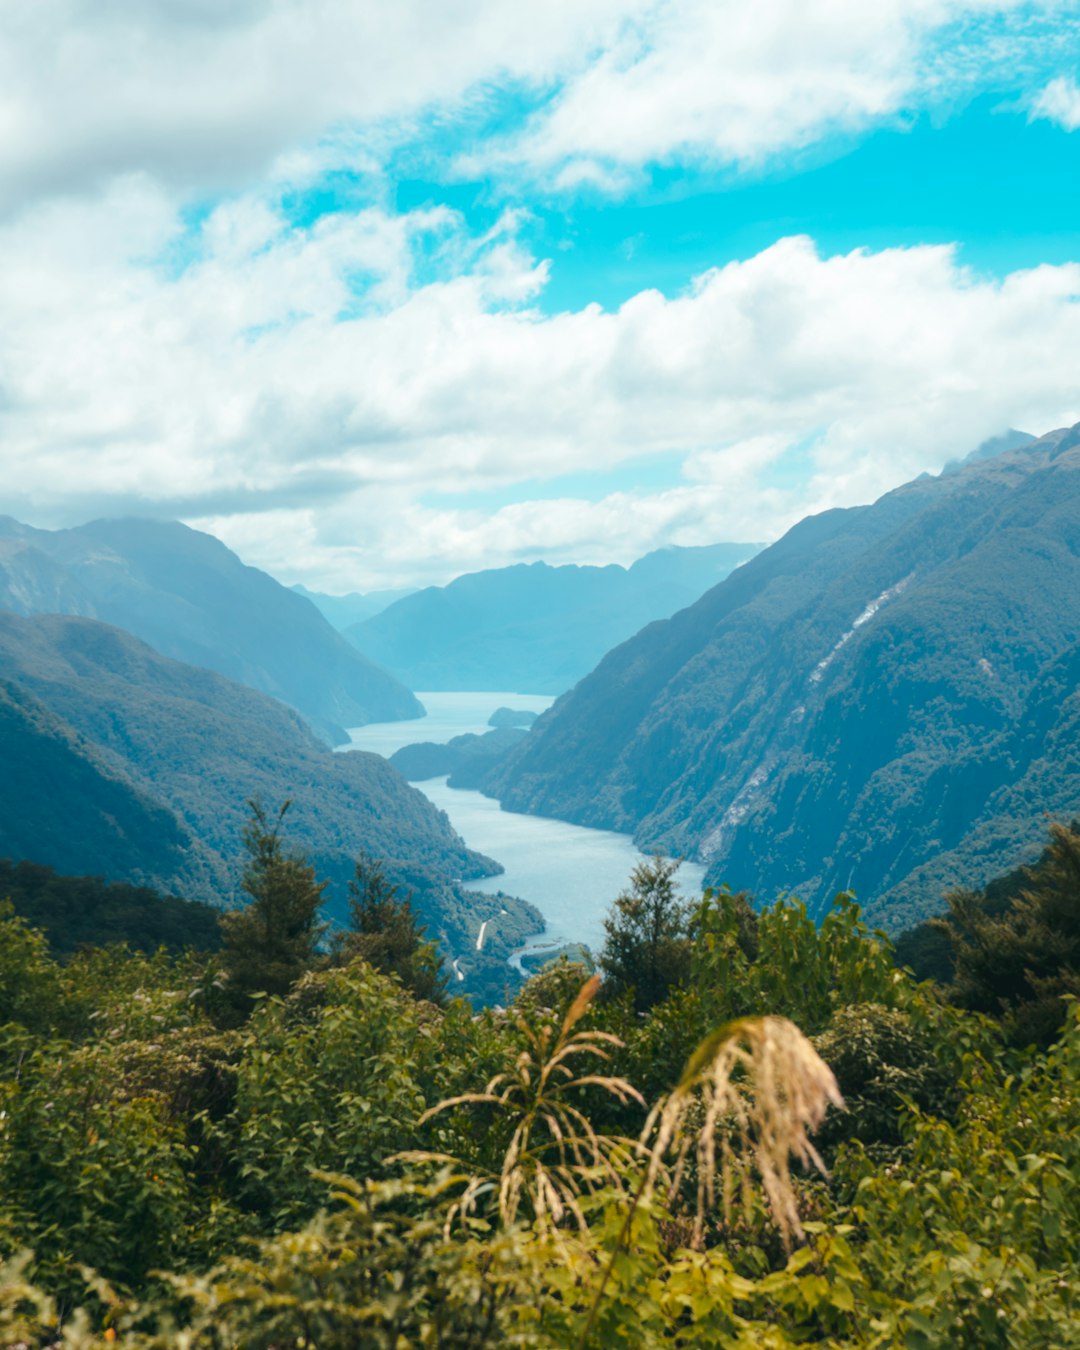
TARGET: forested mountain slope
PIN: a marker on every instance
(534, 628)
(123, 762)
(192, 599)
(60, 801)
(884, 699)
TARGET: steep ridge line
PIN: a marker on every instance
(708, 734)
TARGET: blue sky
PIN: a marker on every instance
(1004, 187)
(380, 294)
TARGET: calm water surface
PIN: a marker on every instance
(571, 874)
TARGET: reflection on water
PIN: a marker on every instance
(570, 873)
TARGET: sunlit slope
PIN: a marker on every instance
(854, 707)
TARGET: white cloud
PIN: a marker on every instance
(341, 450)
(726, 82)
(214, 96)
(210, 93)
(1059, 102)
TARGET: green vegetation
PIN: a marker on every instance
(1012, 950)
(464, 760)
(386, 933)
(79, 911)
(647, 943)
(126, 765)
(274, 938)
(350, 1165)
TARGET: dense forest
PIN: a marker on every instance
(299, 1139)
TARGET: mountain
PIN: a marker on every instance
(192, 599)
(996, 445)
(61, 801)
(122, 762)
(884, 699)
(534, 628)
(342, 610)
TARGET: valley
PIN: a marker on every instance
(539, 675)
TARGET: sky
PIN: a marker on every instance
(384, 291)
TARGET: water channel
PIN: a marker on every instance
(570, 873)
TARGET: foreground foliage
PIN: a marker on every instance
(352, 1165)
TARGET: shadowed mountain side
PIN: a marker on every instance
(531, 627)
(200, 746)
(192, 599)
(1030, 773)
(826, 716)
(77, 911)
(60, 801)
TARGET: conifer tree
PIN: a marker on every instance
(386, 933)
(647, 944)
(269, 943)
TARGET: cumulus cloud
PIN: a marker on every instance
(1059, 102)
(328, 398)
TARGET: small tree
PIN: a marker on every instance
(386, 933)
(269, 944)
(647, 944)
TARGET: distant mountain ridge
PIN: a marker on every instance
(343, 610)
(534, 628)
(192, 599)
(885, 698)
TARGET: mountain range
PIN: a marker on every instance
(122, 762)
(886, 699)
(343, 610)
(192, 599)
(534, 628)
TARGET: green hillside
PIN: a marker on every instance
(880, 700)
(123, 763)
(65, 802)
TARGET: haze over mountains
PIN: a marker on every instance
(534, 628)
(343, 610)
(191, 598)
(884, 699)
